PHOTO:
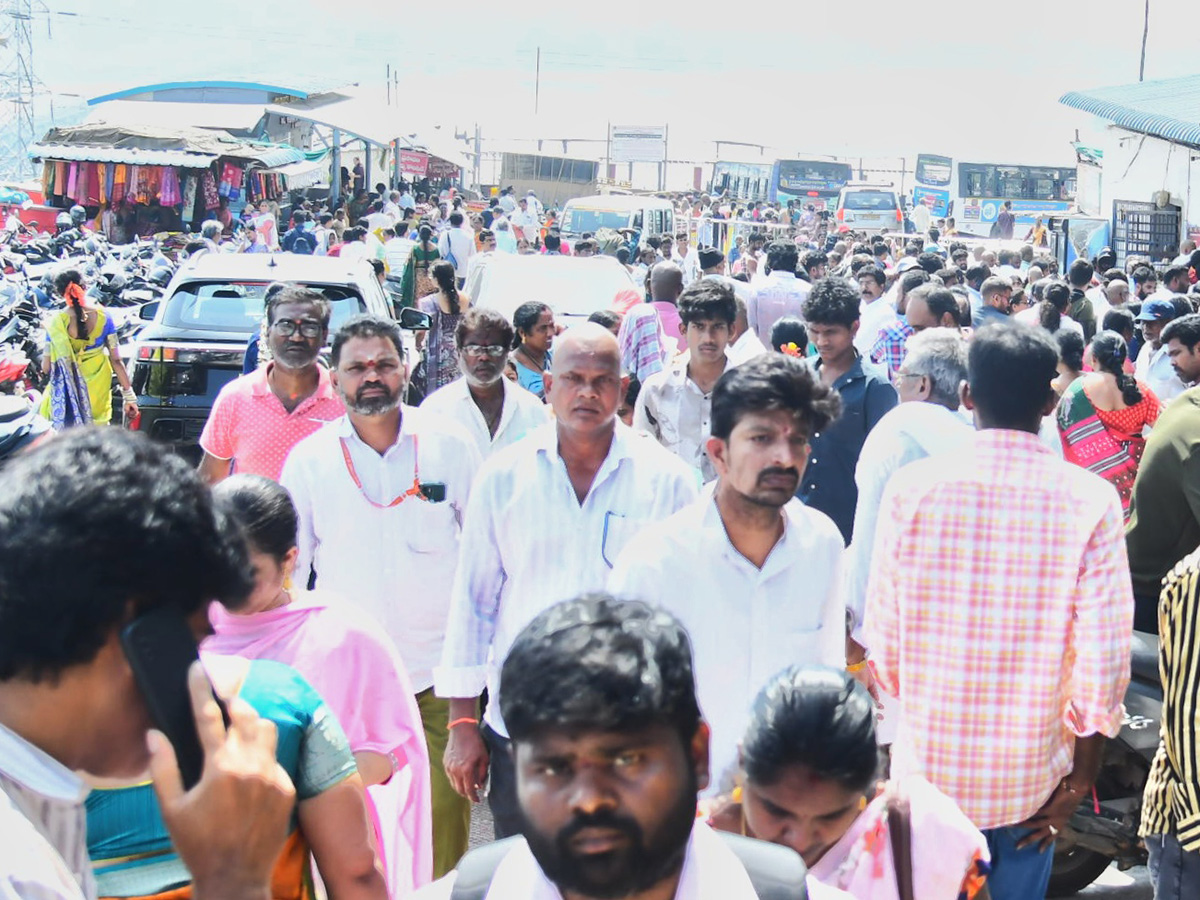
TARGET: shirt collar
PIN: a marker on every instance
(622, 446)
(782, 275)
(260, 386)
(37, 771)
(408, 427)
(1010, 443)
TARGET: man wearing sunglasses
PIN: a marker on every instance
(259, 417)
(495, 411)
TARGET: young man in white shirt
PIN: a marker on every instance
(69, 704)
(457, 243)
(753, 574)
(778, 294)
(525, 221)
(493, 409)
(610, 751)
(380, 495)
(1154, 362)
(674, 406)
(548, 516)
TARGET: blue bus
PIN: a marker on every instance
(974, 193)
(808, 181)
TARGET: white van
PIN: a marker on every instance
(869, 208)
(645, 216)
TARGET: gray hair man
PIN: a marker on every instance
(925, 422)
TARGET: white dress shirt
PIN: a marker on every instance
(521, 413)
(776, 295)
(741, 289)
(396, 563)
(745, 348)
(873, 317)
(1154, 367)
(461, 242)
(746, 623)
(475, 269)
(711, 871)
(529, 543)
(43, 824)
(673, 410)
(909, 432)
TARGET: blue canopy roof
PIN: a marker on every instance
(1168, 108)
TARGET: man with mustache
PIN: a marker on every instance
(548, 516)
(610, 751)
(380, 495)
(259, 417)
(675, 405)
(752, 572)
(496, 412)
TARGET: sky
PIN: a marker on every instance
(874, 79)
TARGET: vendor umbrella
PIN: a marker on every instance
(12, 195)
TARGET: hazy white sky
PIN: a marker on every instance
(869, 77)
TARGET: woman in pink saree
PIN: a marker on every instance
(352, 664)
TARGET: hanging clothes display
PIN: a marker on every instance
(169, 194)
(48, 169)
(60, 177)
(211, 198)
(110, 176)
(131, 189)
(189, 196)
(91, 195)
(120, 179)
(72, 181)
(81, 183)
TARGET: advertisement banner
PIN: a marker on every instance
(439, 168)
(637, 143)
(414, 163)
(984, 210)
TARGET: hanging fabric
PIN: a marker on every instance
(169, 195)
(81, 183)
(110, 177)
(120, 180)
(47, 179)
(211, 198)
(189, 196)
(72, 180)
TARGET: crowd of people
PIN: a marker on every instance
(841, 550)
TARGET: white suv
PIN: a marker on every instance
(870, 208)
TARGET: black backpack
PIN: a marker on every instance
(776, 873)
(303, 242)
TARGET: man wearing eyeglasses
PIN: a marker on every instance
(495, 411)
(259, 417)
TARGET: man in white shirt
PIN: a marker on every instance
(377, 219)
(547, 519)
(407, 201)
(508, 203)
(69, 702)
(674, 406)
(380, 495)
(535, 205)
(876, 311)
(779, 293)
(1154, 362)
(525, 221)
(493, 409)
(743, 340)
(457, 243)
(479, 263)
(610, 751)
(754, 574)
(392, 208)
(1174, 281)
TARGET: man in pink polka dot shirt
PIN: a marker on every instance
(259, 417)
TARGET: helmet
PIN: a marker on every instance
(78, 214)
(20, 426)
(63, 220)
(111, 282)
(160, 275)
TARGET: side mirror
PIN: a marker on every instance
(148, 310)
(414, 320)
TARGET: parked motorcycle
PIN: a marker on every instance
(1105, 827)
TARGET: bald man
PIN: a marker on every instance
(546, 520)
(666, 284)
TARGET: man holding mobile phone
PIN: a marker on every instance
(97, 528)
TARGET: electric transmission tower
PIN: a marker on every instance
(18, 88)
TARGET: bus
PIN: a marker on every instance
(749, 181)
(808, 181)
(975, 192)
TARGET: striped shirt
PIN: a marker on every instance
(1171, 803)
(528, 543)
(643, 342)
(999, 610)
(43, 852)
(891, 346)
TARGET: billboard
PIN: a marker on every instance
(637, 143)
(414, 163)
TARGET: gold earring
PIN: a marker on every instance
(862, 803)
(287, 582)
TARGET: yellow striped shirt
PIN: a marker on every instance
(1171, 804)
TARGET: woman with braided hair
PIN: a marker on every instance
(81, 357)
(1102, 415)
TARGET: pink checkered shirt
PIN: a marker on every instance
(999, 610)
(249, 425)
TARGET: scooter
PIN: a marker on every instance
(1105, 827)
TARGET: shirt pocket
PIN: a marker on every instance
(619, 529)
(433, 527)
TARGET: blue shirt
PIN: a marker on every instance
(828, 483)
(986, 315)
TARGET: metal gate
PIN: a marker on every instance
(1143, 229)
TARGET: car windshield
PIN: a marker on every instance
(238, 306)
(870, 200)
(577, 221)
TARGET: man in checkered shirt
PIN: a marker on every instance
(1000, 611)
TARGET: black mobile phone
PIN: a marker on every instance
(434, 491)
(160, 649)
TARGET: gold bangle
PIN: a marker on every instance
(856, 667)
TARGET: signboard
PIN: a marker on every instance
(414, 163)
(439, 168)
(637, 143)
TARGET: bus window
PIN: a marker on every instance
(933, 170)
(977, 180)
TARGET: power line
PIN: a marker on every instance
(18, 89)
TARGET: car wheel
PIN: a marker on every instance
(1075, 869)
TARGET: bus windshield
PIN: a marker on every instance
(933, 170)
(801, 176)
